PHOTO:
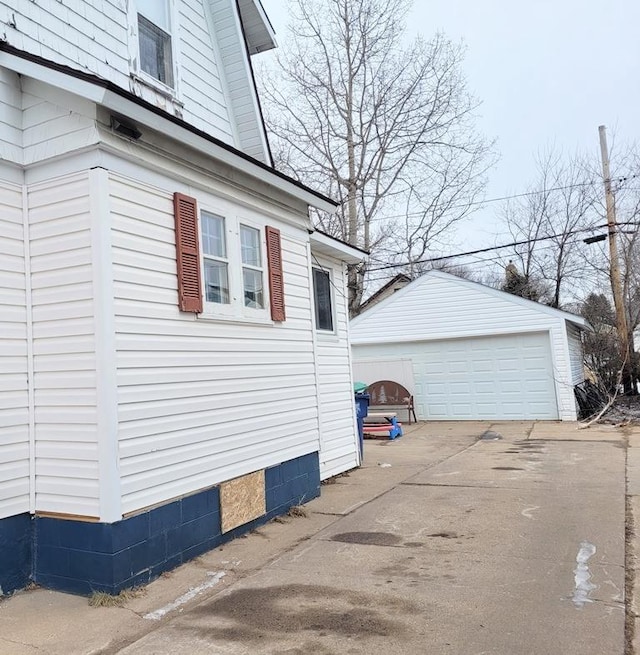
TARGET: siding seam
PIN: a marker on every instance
(30, 361)
(354, 419)
(314, 341)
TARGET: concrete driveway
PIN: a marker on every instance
(441, 543)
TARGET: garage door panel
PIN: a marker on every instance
(483, 387)
(482, 366)
(506, 377)
(457, 368)
(438, 412)
(487, 409)
(508, 365)
(460, 388)
(463, 410)
(533, 387)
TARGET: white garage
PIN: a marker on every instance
(467, 351)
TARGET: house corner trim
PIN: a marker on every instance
(110, 501)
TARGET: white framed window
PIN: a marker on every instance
(252, 273)
(214, 257)
(234, 270)
(223, 264)
(155, 44)
(322, 300)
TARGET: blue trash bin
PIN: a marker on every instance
(362, 409)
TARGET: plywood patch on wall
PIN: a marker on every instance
(242, 500)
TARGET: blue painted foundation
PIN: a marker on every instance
(16, 552)
(81, 557)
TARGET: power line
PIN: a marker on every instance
(511, 197)
(499, 247)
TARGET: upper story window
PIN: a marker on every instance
(154, 39)
(322, 299)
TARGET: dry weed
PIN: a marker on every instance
(103, 599)
(298, 511)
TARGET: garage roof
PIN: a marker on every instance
(439, 305)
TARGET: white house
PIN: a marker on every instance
(467, 351)
(174, 355)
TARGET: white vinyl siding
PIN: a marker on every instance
(54, 126)
(201, 401)
(440, 306)
(576, 355)
(338, 437)
(201, 84)
(63, 345)
(94, 38)
(10, 117)
(90, 36)
(14, 402)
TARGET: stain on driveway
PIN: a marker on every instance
(263, 615)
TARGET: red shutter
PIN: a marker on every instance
(187, 253)
(276, 279)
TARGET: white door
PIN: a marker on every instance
(504, 377)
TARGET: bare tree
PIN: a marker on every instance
(601, 348)
(385, 128)
(553, 220)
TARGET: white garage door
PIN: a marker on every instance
(506, 377)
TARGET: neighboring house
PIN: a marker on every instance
(467, 351)
(174, 355)
(394, 284)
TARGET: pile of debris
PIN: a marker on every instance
(625, 410)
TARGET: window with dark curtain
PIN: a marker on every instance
(322, 298)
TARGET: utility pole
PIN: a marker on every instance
(614, 266)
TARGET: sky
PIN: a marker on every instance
(547, 75)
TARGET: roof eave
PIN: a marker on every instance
(122, 102)
(332, 247)
(258, 30)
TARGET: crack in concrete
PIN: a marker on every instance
(436, 484)
(21, 643)
(629, 560)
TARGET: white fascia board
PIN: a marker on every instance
(580, 323)
(253, 91)
(139, 113)
(325, 245)
(529, 304)
(53, 77)
(264, 39)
